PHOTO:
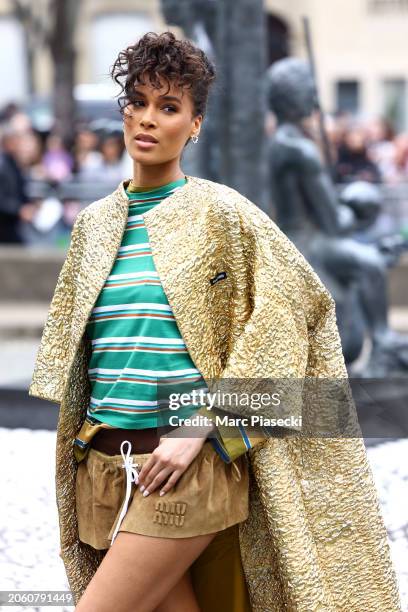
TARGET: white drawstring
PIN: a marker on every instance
(234, 465)
(131, 476)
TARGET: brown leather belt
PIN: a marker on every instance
(143, 440)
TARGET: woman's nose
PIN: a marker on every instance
(148, 116)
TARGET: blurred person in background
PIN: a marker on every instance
(353, 159)
(58, 163)
(381, 145)
(13, 194)
(380, 135)
(32, 155)
(109, 166)
(336, 128)
(86, 153)
(399, 169)
(393, 160)
(8, 111)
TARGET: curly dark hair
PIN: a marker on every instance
(163, 55)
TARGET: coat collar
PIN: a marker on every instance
(110, 222)
(192, 182)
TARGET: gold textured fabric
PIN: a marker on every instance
(315, 540)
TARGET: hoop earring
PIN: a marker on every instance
(194, 138)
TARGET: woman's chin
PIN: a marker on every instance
(143, 158)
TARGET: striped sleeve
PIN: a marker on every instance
(231, 441)
(82, 442)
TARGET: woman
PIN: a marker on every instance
(247, 306)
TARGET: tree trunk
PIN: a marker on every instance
(62, 47)
(233, 140)
(241, 112)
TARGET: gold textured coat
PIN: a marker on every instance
(314, 540)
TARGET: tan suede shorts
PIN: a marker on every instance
(209, 496)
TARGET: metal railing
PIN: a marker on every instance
(81, 191)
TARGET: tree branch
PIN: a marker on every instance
(34, 22)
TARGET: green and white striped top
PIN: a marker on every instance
(138, 354)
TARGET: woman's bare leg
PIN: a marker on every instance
(180, 597)
(139, 571)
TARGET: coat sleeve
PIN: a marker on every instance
(289, 332)
(49, 368)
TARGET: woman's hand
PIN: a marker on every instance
(170, 460)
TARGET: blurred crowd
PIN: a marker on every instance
(367, 150)
(28, 156)
(360, 149)
(96, 156)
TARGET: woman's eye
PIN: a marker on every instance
(172, 108)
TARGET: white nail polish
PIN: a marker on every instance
(162, 493)
(142, 488)
(145, 493)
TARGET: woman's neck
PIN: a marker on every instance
(145, 180)
(136, 188)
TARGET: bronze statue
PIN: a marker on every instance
(308, 210)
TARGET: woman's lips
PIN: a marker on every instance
(145, 144)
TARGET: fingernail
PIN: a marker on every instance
(142, 488)
(145, 493)
(162, 493)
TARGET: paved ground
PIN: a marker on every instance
(29, 534)
(17, 358)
